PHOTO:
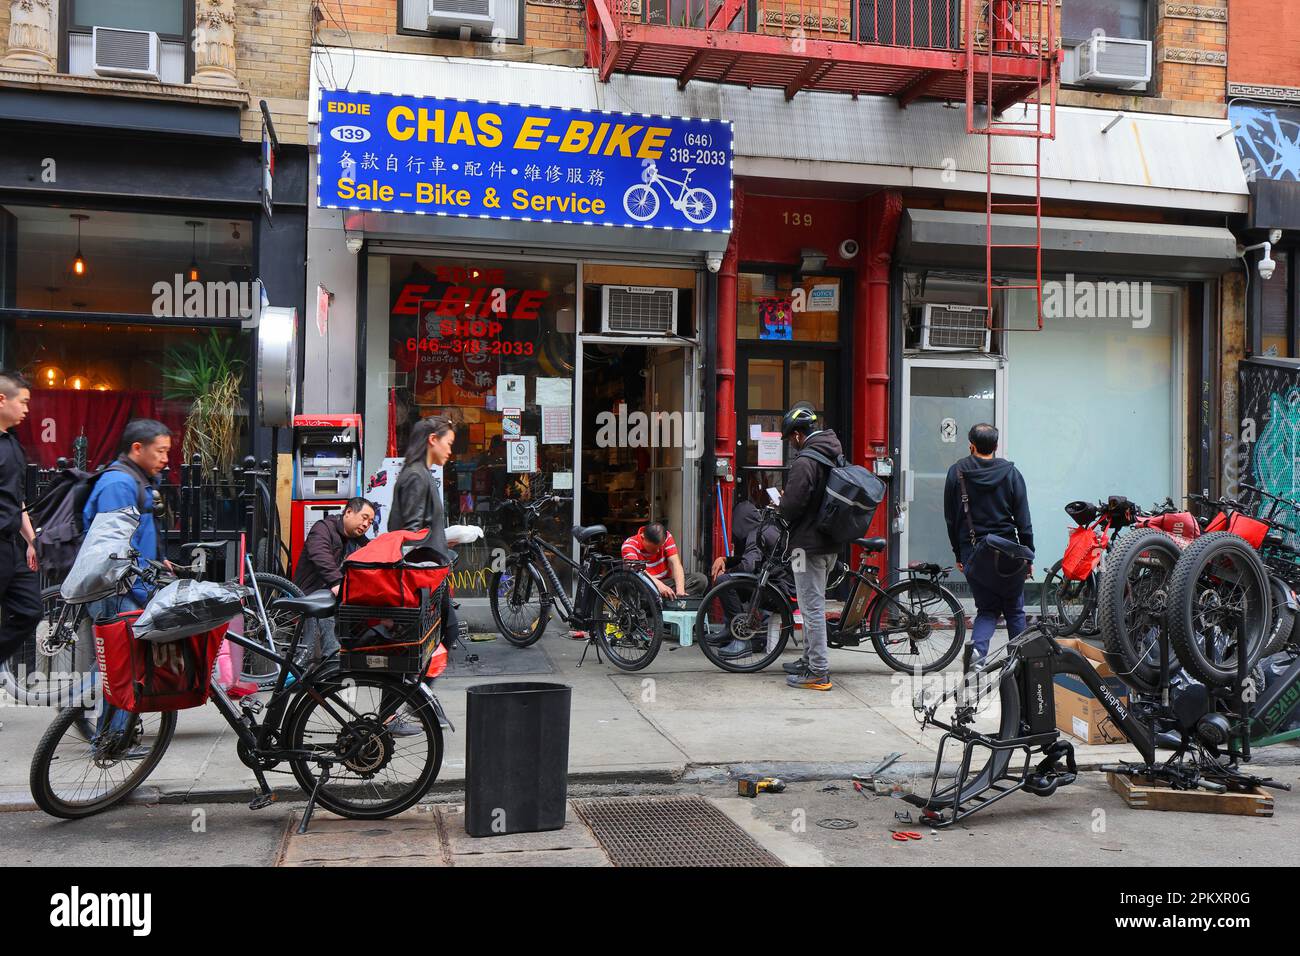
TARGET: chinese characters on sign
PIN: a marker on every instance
(389, 153)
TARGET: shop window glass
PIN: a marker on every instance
(769, 307)
(1275, 312)
(132, 263)
(455, 328)
(88, 379)
(1125, 439)
(160, 16)
(808, 383)
(1080, 19)
(766, 383)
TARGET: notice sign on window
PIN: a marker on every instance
(771, 452)
(521, 455)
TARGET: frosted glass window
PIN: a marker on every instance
(1092, 412)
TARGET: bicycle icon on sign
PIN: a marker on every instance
(641, 202)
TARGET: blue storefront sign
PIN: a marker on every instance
(448, 157)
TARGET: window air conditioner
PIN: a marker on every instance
(638, 310)
(467, 16)
(1116, 62)
(955, 328)
(131, 53)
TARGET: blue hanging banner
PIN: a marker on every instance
(448, 157)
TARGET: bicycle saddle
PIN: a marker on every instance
(689, 169)
(316, 604)
(872, 544)
(583, 535)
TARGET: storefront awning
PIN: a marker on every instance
(939, 238)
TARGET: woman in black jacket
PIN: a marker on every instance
(417, 499)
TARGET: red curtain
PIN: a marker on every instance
(59, 415)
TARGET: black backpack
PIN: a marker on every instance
(850, 500)
(56, 516)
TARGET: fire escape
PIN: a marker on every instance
(1001, 57)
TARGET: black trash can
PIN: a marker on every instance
(516, 758)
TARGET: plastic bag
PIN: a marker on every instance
(104, 559)
(184, 608)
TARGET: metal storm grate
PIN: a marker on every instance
(670, 831)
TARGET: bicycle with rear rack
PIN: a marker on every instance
(362, 743)
(57, 668)
(615, 608)
(916, 624)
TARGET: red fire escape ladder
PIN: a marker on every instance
(1019, 29)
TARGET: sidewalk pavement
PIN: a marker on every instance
(679, 719)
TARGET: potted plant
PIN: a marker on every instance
(208, 375)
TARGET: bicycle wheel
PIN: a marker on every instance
(1219, 607)
(1073, 603)
(698, 205)
(1283, 620)
(520, 603)
(380, 774)
(58, 668)
(735, 611)
(627, 620)
(1131, 604)
(257, 669)
(917, 625)
(72, 777)
(641, 202)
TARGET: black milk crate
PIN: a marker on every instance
(389, 640)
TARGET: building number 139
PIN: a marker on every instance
(797, 218)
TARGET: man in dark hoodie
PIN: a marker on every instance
(998, 505)
(812, 553)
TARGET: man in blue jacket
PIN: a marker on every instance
(131, 482)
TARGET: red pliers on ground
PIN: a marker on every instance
(902, 836)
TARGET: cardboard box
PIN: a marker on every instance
(1078, 712)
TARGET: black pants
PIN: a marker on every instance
(20, 597)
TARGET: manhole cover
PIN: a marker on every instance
(670, 831)
(837, 823)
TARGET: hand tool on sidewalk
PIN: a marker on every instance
(870, 776)
(753, 786)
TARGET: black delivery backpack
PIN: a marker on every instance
(852, 495)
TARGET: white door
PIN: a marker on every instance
(942, 399)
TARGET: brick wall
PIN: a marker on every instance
(273, 57)
(1264, 43)
(1191, 51)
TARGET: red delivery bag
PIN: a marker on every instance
(391, 570)
(145, 677)
(1252, 529)
(1083, 552)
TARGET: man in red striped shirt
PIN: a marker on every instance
(654, 545)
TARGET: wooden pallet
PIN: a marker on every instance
(1142, 793)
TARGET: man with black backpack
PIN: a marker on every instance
(813, 550)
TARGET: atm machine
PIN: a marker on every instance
(326, 471)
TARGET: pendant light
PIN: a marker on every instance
(194, 262)
(78, 261)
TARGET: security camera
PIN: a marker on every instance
(354, 244)
(1275, 236)
(714, 263)
(1266, 266)
(849, 248)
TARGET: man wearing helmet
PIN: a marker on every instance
(813, 553)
